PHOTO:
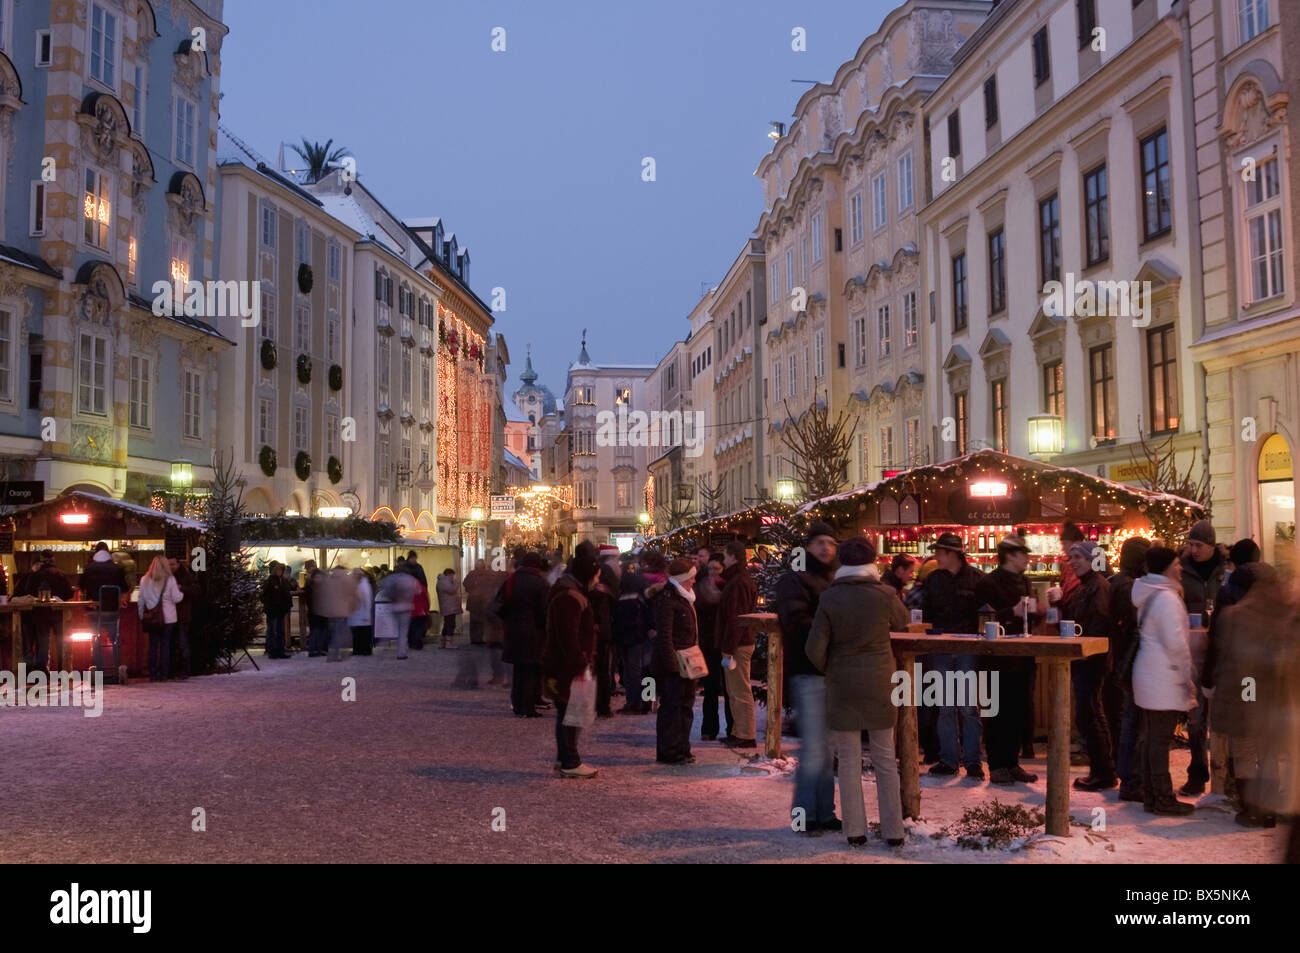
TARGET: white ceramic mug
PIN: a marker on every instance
(994, 630)
(1070, 629)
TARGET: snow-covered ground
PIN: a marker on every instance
(413, 770)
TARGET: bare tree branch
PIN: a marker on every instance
(820, 450)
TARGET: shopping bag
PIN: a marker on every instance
(690, 663)
(385, 621)
(581, 711)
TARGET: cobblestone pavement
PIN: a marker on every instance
(414, 770)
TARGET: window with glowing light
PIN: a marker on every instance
(97, 208)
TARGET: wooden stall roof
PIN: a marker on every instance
(80, 501)
(1032, 474)
(685, 537)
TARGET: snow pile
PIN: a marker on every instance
(770, 767)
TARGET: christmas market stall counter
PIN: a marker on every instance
(69, 526)
(754, 525)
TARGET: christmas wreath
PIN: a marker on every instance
(302, 465)
(336, 377)
(304, 369)
(334, 469)
(304, 278)
(268, 353)
(266, 458)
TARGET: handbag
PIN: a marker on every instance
(581, 709)
(153, 617)
(1124, 665)
(690, 663)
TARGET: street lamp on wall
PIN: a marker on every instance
(785, 489)
(476, 514)
(644, 519)
(1046, 435)
(182, 474)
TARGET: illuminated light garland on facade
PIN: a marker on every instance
(464, 424)
(537, 505)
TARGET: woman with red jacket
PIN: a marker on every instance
(570, 650)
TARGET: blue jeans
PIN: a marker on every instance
(636, 660)
(1198, 769)
(814, 782)
(953, 751)
(160, 652)
(339, 631)
(275, 635)
(1126, 763)
(318, 635)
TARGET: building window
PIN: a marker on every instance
(103, 46)
(93, 369)
(1157, 214)
(36, 223)
(1086, 13)
(333, 335)
(302, 329)
(789, 284)
(406, 373)
(426, 381)
(132, 256)
(8, 376)
(997, 271)
(910, 330)
(302, 243)
(301, 433)
(98, 208)
(794, 376)
(1254, 18)
(265, 421)
(913, 441)
(268, 315)
(385, 352)
(860, 340)
(776, 280)
(905, 182)
(623, 494)
(141, 388)
(137, 104)
(855, 218)
(961, 416)
(998, 392)
(887, 448)
(879, 208)
(817, 237)
(959, 307)
(1042, 58)
(819, 354)
(1049, 237)
(385, 463)
(334, 263)
(1054, 389)
(882, 329)
(180, 262)
(186, 120)
(1102, 376)
(776, 379)
(991, 101)
(1264, 231)
(268, 226)
(803, 258)
(1096, 217)
(954, 134)
(1162, 372)
(193, 409)
(331, 435)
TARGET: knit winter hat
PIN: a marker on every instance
(1244, 551)
(818, 528)
(1203, 532)
(1085, 548)
(857, 551)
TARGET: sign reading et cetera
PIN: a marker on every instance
(988, 501)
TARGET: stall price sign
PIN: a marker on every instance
(502, 507)
(22, 492)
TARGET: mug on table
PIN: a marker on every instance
(1070, 629)
(994, 630)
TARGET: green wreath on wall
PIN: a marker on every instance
(304, 278)
(304, 369)
(266, 459)
(302, 465)
(268, 354)
(336, 377)
(335, 469)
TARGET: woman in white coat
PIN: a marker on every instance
(1162, 675)
(158, 591)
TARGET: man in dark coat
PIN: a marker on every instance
(708, 597)
(1123, 632)
(570, 650)
(1005, 590)
(521, 606)
(949, 605)
(277, 600)
(1203, 572)
(901, 570)
(736, 642)
(676, 629)
(633, 625)
(47, 622)
(797, 595)
(603, 597)
(192, 590)
(317, 625)
(1088, 605)
(102, 575)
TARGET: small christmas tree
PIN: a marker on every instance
(233, 606)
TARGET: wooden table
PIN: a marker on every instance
(15, 611)
(1057, 653)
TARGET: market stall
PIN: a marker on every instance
(69, 526)
(755, 525)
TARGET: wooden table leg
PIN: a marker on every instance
(1058, 749)
(909, 754)
(775, 701)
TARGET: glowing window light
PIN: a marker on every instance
(131, 259)
(180, 271)
(989, 489)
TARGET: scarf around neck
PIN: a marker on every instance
(685, 593)
(869, 571)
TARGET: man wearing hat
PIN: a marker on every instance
(949, 605)
(1203, 571)
(1089, 606)
(1005, 590)
(797, 595)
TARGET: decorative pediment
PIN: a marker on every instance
(101, 294)
(1162, 275)
(185, 197)
(995, 342)
(142, 173)
(1253, 111)
(191, 66)
(1046, 325)
(957, 358)
(104, 127)
(13, 287)
(11, 90)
